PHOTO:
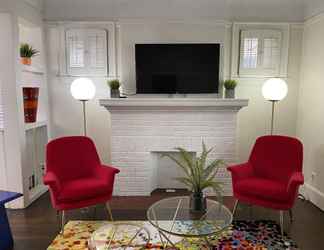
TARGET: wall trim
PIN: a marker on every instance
(314, 19)
(313, 195)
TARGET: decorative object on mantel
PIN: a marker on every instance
(83, 89)
(26, 53)
(198, 175)
(114, 88)
(274, 90)
(30, 97)
(230, 86)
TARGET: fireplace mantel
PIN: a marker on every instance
(142, 128)
(176, 103)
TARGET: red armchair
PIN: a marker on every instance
(272, 175)
(75, 176)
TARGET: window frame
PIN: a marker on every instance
(265, 28)
(111, 59)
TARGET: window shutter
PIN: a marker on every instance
(86, 51)
(75, 48)
(260, 52)
(97, 51)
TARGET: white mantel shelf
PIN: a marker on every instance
(177, 103)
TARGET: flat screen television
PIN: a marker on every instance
(177, 68)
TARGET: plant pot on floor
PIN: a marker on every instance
(114, 93)
(25, 60)
(30, 95)
(229, 93)
(198, 203)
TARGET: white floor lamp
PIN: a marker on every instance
(83, 89)
(274, 90)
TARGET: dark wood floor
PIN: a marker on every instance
(36, 226)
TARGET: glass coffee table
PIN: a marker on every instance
(119, 235)
(172, 216)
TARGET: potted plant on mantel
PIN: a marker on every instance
(26, 53)
(114, 88)
(230, 86)
(198, 175)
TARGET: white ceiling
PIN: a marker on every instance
(237, 10)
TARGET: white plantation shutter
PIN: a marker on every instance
(260, 52)
(97, 51)
(86, 51)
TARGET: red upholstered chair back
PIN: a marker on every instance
(276, 157)
(71, 157)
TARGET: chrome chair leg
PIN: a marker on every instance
(282, 222)
(62, 221)
(109, 211)
(235, 208)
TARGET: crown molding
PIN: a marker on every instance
(314, 19)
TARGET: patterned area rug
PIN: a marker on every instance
(243, 235)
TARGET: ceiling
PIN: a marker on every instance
(234, 10)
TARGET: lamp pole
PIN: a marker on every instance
(84, 117)
(272, 115)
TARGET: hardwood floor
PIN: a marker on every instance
(36, 226)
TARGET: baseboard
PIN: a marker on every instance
(313, 195)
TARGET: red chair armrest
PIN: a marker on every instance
(241, 170)
(295, 180)
(52, 181)
(106, 172)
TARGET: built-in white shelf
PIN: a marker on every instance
(32, 69)
(33, 125)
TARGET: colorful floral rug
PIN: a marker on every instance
(243, 235)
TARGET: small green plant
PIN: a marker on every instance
(27, 51)
(114, 84)
(230, 84)
(198, 174)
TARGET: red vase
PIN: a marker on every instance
(30, 95)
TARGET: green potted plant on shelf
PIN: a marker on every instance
(230, 86)
(26, 53)
(198, 175)
(114, 88)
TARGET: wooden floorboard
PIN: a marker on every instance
(36, 226)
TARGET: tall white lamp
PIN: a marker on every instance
(83, 89)
(274, 90)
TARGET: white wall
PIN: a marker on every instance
(66, 113)
(310, 122)
(253, 121)
(131, 33)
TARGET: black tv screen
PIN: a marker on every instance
(177, 68)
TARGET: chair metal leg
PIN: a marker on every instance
(282, 222)
(109, 211)
(62, 221)
(235, 208)
(291, 216)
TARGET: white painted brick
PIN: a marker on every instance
(136, 134)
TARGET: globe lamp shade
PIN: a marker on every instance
(274, 89)
(83, 89)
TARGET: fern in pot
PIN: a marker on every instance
(198, 175)
(114, 88)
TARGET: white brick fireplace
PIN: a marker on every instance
(143, 128)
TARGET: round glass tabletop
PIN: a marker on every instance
(119, 235)
(173, 216)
